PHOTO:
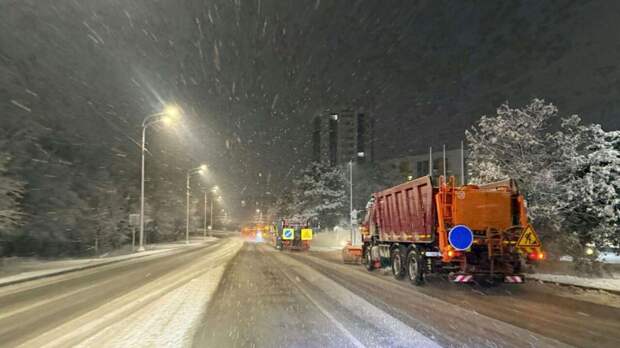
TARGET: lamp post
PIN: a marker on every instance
(204, 228)
(360, 155)
(198, 170)
(211, 215)
(214, 190)
(167, 116)
(351, 201)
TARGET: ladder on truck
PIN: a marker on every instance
(495, 247)
(445, 212)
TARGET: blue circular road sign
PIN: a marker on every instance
(460, 237)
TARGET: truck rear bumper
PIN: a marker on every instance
(469, 278)
(461, 278)
(514, 279)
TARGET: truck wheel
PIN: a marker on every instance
(398, 267)
(368, 261)
(415, 267)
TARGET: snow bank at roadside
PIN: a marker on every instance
(611, 284)
(40, 269)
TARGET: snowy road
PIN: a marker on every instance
(235, 294)
(531, 314)
(269, 298)
(150, 302)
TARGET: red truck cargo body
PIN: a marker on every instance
(405, 212)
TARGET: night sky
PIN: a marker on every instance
(250, 75)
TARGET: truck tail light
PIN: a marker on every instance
(453, 253)
(536, 256)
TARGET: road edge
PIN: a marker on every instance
(567, 284)
(94, 265)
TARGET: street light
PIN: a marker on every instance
(214, 190)
(360, 154)
(202, 170)
(351, 201)
(169, 115)
(204, 227)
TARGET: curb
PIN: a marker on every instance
(84, 267)
(611, 291)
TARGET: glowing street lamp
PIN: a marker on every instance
(214, 190)
(169, 115)
(202, 170)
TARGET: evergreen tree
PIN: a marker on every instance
(320, 195)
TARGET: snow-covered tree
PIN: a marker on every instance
(516, 143)
(570, 176)
(592, 204)
(11, 192)
(320, 194)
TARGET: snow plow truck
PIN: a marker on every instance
(471, 233)
(292, 235)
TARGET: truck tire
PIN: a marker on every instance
(367, 259)
(398, 266)
(415, 267)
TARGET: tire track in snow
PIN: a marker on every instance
(386, 327)
(124, 315)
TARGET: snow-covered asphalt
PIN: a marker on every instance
(235, 294)
(147, 302)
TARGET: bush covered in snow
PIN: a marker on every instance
(569, 172)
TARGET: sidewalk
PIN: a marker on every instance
(17, 270)
(608, 284)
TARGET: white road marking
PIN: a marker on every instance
(324, 311)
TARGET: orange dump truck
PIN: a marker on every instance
(471, 232)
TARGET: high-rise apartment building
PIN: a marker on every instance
(339, 137)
